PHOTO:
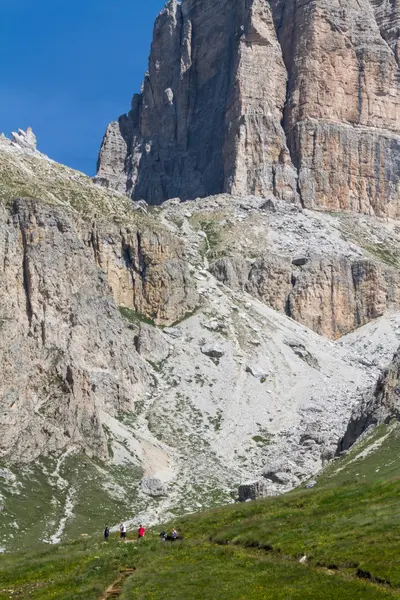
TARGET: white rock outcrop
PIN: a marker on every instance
(24, 139)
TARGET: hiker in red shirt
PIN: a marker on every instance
(141, 531)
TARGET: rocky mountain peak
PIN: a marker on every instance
(193, 129)
(262, 97)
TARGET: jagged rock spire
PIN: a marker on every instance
(24, 139)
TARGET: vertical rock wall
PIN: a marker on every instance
(65, 353)
(387, 13)
(256, 157)
(342, 115)
(67, 356)
(146, 269)
(208, 117)
(331, 296)
(258, 97)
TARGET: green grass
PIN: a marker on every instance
(348, 526)
(34, 505)
(82, 569)
(260, 439)
(212, 225)
(384, 252)
(134, 317)
(351, 520)
(207, 572)
(28, 176)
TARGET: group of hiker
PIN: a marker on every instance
(141, 532)
(170, 537)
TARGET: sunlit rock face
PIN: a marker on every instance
(342, 113)
(266, 97)
(208, 118)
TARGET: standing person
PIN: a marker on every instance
(122, 529)
(141, 532)
(106, 533)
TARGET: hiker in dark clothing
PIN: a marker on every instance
(106, 533)
(163, 536)
(173, 536)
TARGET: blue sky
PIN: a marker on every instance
(69, 67)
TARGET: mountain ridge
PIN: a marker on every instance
(157, 351)
(129, 342)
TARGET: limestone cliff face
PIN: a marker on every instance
(145, 265)
(63, 344)
(67, 356)
(208, 118)
(342, 111)
(331, 296)
(387, 14)
(336, 296)
(223, 78)
(146, 268)
(387, 392)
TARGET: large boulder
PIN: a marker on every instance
(283, 472)
(252, 491)
(152, 345)
(212, 350)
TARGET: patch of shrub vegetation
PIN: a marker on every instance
(135, 317)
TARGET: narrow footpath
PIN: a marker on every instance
(114, 590)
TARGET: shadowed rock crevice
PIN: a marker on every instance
(27, 284)
(387, 13)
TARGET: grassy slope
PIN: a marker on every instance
(34, 503)
(348, 525)
(25, 175)
(29, 175)
(349, 521)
